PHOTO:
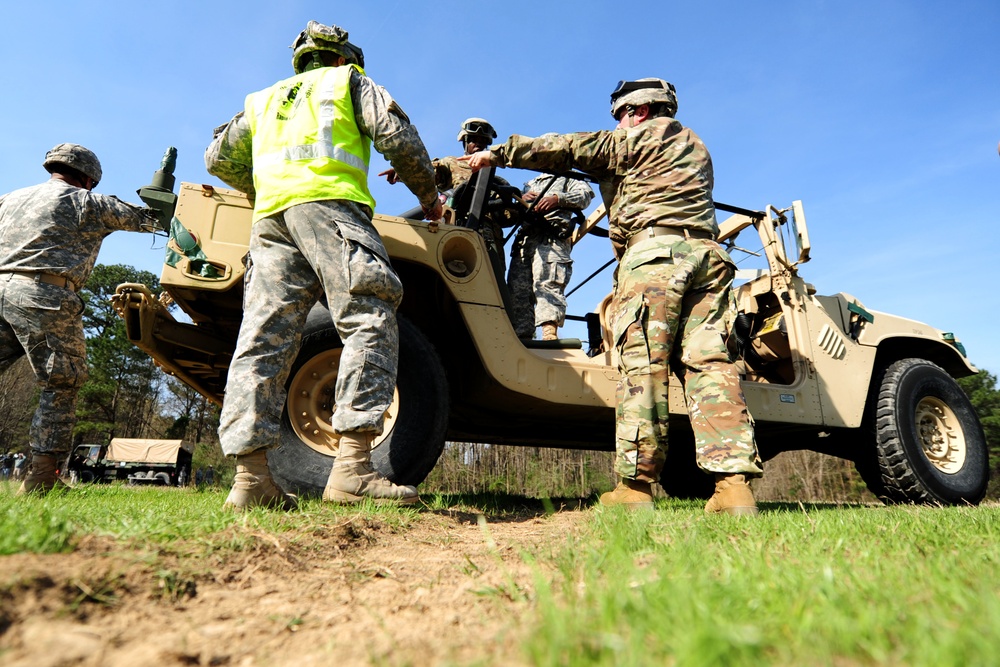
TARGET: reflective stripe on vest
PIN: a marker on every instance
(306, 142)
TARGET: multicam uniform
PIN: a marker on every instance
(298, 253)
(658, 175)
(50, 235)
(540, 264)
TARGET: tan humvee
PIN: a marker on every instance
(821, 372)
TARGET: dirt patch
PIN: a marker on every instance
(450, 587)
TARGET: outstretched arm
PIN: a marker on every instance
(379, 117)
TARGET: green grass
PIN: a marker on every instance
(158, 518)
(797, 586)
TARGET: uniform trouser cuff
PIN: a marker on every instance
(346, 420)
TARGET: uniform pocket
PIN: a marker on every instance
(375, 382)
(42, 297)
(627, 431)
(631, 344)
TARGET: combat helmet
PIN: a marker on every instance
(319, 37)
(643, 91)
(479, 127)
(76, 157)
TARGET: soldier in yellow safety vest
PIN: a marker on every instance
(302, 148)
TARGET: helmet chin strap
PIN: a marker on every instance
(315, 61)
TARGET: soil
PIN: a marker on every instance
(449, 587)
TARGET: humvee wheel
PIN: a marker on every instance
(941, 435)
(310, 402)
(413, 435)
(931, 448)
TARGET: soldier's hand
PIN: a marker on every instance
(531, 195)
(390, 175)
(478, 160)
(547, 203)
(433, 212)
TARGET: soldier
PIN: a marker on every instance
(50, 235)
(302, 148)
(540, 264)
(450, 173)
(671, 292)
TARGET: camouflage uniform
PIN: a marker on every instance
(49, 232)
(540, 264)
(659, 174)
(449, 174)
(325, 246)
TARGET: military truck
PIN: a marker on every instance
(824, 373)
(133, 460)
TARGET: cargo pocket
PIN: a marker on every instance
(370, 274)
(629, 334)
(65, 366)
(374, 382)
(626, 448)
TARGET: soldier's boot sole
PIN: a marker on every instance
(732, 496)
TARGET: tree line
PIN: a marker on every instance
(127, 395)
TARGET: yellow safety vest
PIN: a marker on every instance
(306, 143)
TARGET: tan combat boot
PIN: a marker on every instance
(352, 478)
(41, 476)
(732, 496)
(550, 331)
(254, 487)
(631, 494)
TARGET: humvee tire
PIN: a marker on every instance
(930, 446)
(413, 437)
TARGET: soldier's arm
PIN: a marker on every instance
(230, 155)
(596, 153)
(444, 178)
(115, 214)
(577, 196)
(379, 117)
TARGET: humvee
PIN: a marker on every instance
(823, 373)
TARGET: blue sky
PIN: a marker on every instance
(883, 117)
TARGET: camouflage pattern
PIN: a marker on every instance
(449, 173)
(53, 228)
(673, 188)
(297, 256)
(669, 307)
(319, 37)
(45, 322)
(58, 228)
(660, 173)
(540, 270)
(305, 251)
(663, 93)
(378, 116)
(540, 264)
(75, 156)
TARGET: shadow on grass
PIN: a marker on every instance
(501, 507)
